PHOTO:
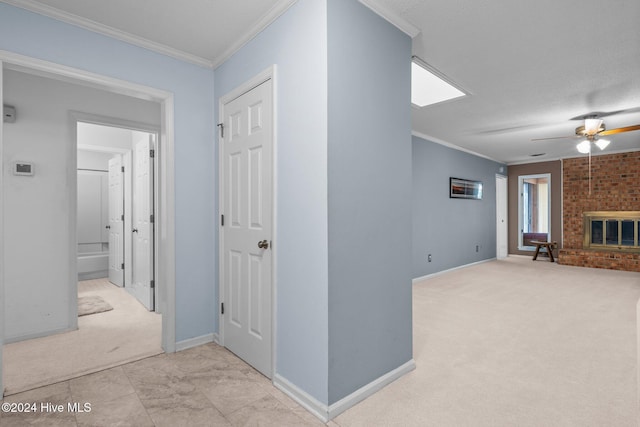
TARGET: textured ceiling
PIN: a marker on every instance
(530, 66)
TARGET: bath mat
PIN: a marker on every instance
(91, 305)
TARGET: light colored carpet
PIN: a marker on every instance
(92, 304)
(516, 343)
(128, 332)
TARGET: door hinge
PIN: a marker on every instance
(151, 219)
(122, 266)
(221, 126)
(153, 284)
(122, 217)
(221, 308)
(152, 153)
(122, 168)
(222, 220)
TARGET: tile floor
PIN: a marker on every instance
(202, 386)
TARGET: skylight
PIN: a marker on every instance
(427, 88)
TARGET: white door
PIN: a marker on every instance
(142, 281)
(247, 150)
(502, 245)
(116, 221)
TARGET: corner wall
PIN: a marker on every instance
(450, 229)
(369, 180)
(297, 44)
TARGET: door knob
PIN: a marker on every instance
(135, 230)
(108, 227)
(263, 244)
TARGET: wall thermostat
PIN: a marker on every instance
(8, 114)
(22, 168)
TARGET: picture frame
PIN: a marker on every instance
(460, 188)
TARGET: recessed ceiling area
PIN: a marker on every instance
(533, 69)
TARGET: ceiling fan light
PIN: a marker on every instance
(592, 126)
(584, 147)
(602, 143)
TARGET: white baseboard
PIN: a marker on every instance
(326, 413)
(439, 273)
(194, 342)
(305, 400)
(9, 340)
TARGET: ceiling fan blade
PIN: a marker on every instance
(620, 130)
(554, 137)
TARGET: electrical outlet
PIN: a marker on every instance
(429, 257)
(477, 248)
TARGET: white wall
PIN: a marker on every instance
(93, 136)
(93, 160)
(38, 252)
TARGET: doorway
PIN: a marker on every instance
(502, 245)
(165, 252)
(116, 212)
(534, 210)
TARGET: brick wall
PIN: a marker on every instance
(615, 186)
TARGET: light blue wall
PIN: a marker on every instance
(370, 325)
(40, 37)
(296, 43)
(450, 229)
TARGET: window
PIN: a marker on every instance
(534, 210)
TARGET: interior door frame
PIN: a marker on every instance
(264, 76)
(521, 179)
(165, 223)
(505, 227)
(80, 117)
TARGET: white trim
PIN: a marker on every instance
(40, 334)
(506, 218)
(304, 399)
(15, 61)
(269, 73)
(440, 273)
(328, 412)
(96, 27)
(521, 178)
(196, 341)
(450, 145)
(274, 13)
(166, 228)
(392, 17)
(369, 389)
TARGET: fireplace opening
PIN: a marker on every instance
(612, 230)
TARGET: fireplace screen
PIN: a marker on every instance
(612, 230)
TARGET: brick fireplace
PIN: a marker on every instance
(615, 186)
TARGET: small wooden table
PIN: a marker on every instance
(548, 245)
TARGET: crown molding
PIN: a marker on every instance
(450, 145)
(106, 30)
(395, 19)
(274, 13)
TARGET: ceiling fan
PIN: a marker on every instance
(592, 130)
